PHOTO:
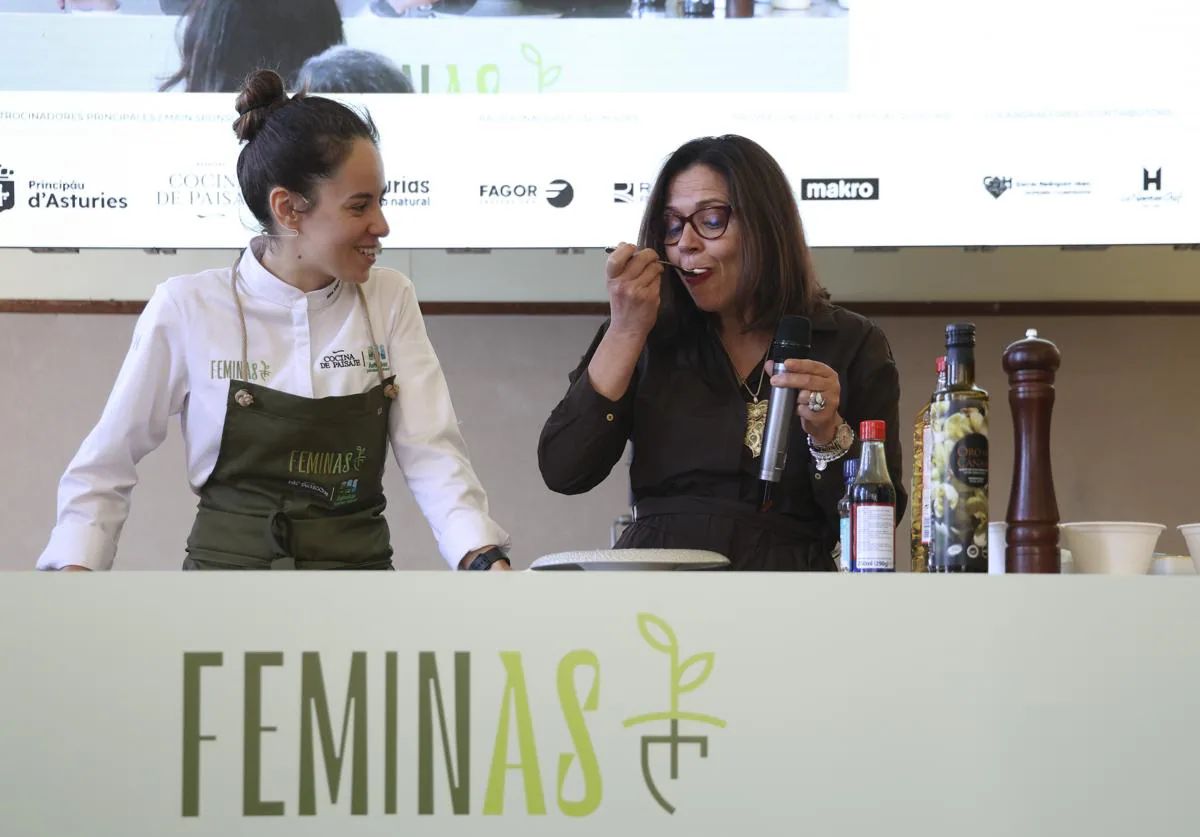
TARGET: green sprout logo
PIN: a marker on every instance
(685, 677)
(547, 75)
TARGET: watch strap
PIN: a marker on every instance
(484, 560)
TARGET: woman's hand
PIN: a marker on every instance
(811, 377)
(634, 280)
(74, 568)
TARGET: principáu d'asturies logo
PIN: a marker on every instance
(447, 723)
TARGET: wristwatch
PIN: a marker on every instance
(484, 560)
(834, 449)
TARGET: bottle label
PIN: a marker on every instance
(844, 556)
(958, 484)
(873, 547)
(926, 506)
(969, 460)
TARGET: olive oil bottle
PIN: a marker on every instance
(922, 525)
(958, 462)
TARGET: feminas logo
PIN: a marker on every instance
(341, 732)
(840, 189)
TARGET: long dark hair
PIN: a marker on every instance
(777, 275)
(224, 41)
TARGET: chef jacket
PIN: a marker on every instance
(186, 347)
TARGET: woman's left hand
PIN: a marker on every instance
(813, 378)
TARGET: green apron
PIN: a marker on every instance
(298, 482)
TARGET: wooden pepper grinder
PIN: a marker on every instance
(1032, 519)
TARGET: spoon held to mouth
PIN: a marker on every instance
(690, 271)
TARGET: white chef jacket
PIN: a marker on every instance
(187, 345)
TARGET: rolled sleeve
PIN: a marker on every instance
(586, 433)
(870, 391)
(428, 445)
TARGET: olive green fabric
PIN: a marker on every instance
(298, 484)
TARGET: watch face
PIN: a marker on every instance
(844, 437)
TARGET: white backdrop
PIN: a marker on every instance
(974, 123)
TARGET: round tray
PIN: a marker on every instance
(625, 560)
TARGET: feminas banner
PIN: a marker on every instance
(162, 705)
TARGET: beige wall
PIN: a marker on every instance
(1124, 442)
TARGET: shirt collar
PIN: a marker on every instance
(261, 282)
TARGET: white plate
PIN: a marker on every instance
(626, 560)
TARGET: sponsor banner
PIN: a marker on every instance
(530, 171)
(329, 705)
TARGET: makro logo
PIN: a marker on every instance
(632, 191)
(840, 189)
(406, 192)
(488, 696)
(8, 189)
(558, 193)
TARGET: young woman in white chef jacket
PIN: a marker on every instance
(292, 371)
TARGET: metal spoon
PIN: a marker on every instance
(691, 271)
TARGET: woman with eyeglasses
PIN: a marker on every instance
(679, 369)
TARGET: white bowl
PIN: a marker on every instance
(1191, 534)
(1112, 548)
(1172, 565)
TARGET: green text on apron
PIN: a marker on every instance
(298, 481)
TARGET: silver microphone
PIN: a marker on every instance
(793, 339)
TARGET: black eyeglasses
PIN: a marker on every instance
(709, 222)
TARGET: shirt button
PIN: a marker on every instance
(609, 417)
(817, 475)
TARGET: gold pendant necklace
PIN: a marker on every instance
(756, 415)
(756, 409)
(756, 421)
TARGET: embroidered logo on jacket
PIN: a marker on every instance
(220, 370)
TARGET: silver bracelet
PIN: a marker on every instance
(823, 458)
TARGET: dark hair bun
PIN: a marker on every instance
(262, 94)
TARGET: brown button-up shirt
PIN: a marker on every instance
(685, 413)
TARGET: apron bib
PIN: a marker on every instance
(298, 482)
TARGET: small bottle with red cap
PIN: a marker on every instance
(872, 505)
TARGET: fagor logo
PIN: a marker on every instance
(840, 189)
(8, 189)
(560, 194)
